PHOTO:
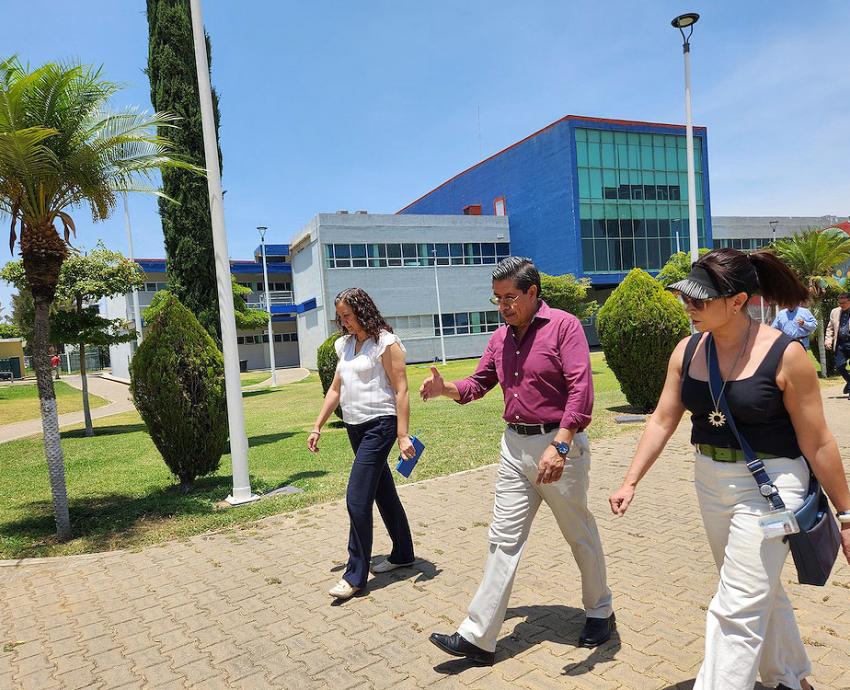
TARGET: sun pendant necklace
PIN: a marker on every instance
(717, 418)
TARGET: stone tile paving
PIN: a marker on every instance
(247, 608)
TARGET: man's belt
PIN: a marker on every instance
(729, 454)
(534, 429)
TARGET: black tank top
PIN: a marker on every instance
(755, 402)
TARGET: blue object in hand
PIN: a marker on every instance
(404, 467)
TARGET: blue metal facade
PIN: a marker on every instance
(537, 177)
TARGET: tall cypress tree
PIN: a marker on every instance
(186, 225)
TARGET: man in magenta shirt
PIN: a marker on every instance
(541, 360)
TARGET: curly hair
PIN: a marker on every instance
(365, 312)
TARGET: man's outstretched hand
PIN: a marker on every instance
(433, 386)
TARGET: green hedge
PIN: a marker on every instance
(326, 361)
(639, 326)
(177, 384)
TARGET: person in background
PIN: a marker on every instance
(837, 337)
(370, 385)
(55, 362)
(797, 323)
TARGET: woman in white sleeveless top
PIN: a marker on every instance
(370, 384)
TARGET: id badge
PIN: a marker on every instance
(779, 523)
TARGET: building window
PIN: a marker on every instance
(411, 255)
(633, 198)
(499, 208)
(467, 323)
(744, 243)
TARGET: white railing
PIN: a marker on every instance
(257, 300)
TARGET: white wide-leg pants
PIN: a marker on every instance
(750, 625)
(516, 504)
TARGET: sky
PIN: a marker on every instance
(332, 104)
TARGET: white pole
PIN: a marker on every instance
(439, 310)
(137, 315)
(268, 306)
(235, 414)
(678, 246)
(689, 142)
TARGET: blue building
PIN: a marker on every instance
(587, 196)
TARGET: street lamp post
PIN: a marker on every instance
(262, 230)
(235, 414)
(137, 317)
(773, 225)
(682, 22)
(677, 221)
(439, 309)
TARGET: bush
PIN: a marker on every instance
(177, 384)
(326, 361)
(569, 294)
(677, 267)
(639, 326)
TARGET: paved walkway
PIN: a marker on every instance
(117, 393)
(247, 608)
(284, 376)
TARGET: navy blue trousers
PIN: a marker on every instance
(371, 482)
(842, 356)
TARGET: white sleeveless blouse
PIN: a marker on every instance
(366, 392)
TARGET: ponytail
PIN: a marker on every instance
(777, 282)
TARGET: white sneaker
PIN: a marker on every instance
(385, 566)
(343, 590)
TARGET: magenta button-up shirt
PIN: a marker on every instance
(545, 378)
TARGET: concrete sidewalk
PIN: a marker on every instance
(247, 608)
(117, 393)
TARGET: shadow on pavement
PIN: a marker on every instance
(553, 623)
(422, 570)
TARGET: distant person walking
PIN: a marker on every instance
(798, 323)
(837, 337)
(55, 362)
(370, 384)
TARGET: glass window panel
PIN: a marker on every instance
(600, 251)
(608, 160)
(456, 253)
(599, 228)
(583, 183)
(634, 156)
(674, 192)
(394, 254)
(503, 250)
(462, 323)
(587, 256)
(625, 211)
(639, 227)
(634, 138)
(595, 183)
(682, 158)
(658, 157)
(658, 140)
(607, 136)
(612, 228)
(609, 178)
(586, 227)
(593, 156)
(670, 158)
(593, 135)
(610, 211)
(329, 251)
(653, 254)
(488, 249)
(581, 153)
(646, 157)
(626, 228)
(622, 153)
(584, 211)
(581, 134)
(609, 192)
(637, 191)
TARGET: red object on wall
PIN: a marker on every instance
(499, 206)
(472, 210)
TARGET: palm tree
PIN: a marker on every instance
(814, 254)
(61, 150)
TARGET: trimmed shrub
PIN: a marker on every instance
(177, 384)
(326, 361)
(639, 326)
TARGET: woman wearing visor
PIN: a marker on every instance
(774, 397)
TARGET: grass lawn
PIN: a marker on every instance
(122, 495)
(20, 402)
(252, 378)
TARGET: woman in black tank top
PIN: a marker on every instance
(773, 395)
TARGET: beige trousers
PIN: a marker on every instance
(516, 504)
(750, 625)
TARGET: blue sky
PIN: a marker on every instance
(332, 105)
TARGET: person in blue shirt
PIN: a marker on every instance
(797, 323)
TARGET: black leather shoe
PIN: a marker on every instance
(459, 646)
(597, 631)
(846, 391)
(785, 687)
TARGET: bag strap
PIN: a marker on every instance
(754, 464)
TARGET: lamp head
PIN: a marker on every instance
(262, 230)
(683, 21)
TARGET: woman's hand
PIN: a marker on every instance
(621, 499)
(405, 446)
(313, 441)
(845, 539)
